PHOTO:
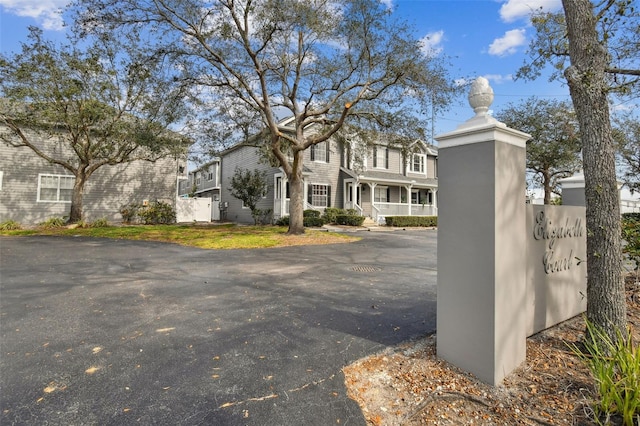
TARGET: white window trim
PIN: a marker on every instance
(380, 159)
(423, 163)
(320, 152)
(326, 194)
(40, 176)
(380, 188)
(1, 176)
(417, 192)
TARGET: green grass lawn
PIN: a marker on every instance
(228, 236)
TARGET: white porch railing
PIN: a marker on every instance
(403, 209)
(423, 210)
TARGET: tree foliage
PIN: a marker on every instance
(104, 102)
(553, 152)
(250, 186)
(246, 62)
(627, 130)
(618, 31)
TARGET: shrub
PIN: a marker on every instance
(261, 216)
(330, 214)
(401, 221)
(99, 223)
(54, 222)
(129, 212)
(311, 213)
(615, 367)
(156, 213)
(10, 225)
(349, 219)
(631, 235)
(312, 221)
(283, 221)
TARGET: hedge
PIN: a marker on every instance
(307, 221)
(402, 221)
(349, 219)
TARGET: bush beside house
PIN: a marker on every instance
(401, 221)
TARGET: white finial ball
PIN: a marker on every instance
(480, 96)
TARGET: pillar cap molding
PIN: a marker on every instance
(482, 127)
(489, 132)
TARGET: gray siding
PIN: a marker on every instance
(106, 191)
(323, 173)
(244, 157)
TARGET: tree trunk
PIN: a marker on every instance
(75, 213)
(606, 306)
(546, 184)
(296, 201)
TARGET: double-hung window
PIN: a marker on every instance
(55, 188)
(381, 157)
(320, 152)
(319, 195)
(418, 162)
(381, 194)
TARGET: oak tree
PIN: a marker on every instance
(553, 152)
(103, 102)
(323, 62)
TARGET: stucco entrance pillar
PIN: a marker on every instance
(481, 307)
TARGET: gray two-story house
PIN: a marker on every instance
(377, 180)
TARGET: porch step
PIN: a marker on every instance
(369, 222)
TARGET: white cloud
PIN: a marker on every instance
(513, 10)
(508, 44)
(499, 78)
(47, 13)
(432, 43)
(387, 3)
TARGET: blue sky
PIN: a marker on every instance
(482, 37)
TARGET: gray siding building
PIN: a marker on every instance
(33, 190)
(385, 181)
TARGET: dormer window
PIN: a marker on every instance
(418, 163)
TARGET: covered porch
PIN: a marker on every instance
(391, 197)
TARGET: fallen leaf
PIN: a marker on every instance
(91, 370)
(165, 330)
(96, 350)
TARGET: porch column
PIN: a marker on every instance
(372, 189)
(408, 189)
(481, 305)
(434, 208)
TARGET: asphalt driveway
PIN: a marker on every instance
(108, 332)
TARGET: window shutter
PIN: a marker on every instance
(375, 156)
(386, 158)
(388, 194)
(328, 196)
(309, 194)
(328, 147)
